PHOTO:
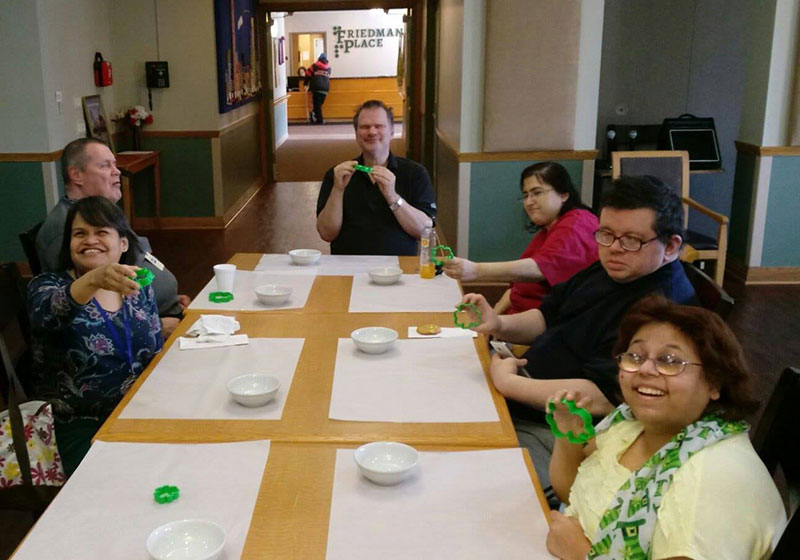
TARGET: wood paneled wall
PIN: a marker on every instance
(345, 96)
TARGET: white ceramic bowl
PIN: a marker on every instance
(187, 539)
(386, 462)
(374, 340)
(253, 389)
(272, 294)
(304, 256)
(385, 275)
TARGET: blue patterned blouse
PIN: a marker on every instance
(79, 366)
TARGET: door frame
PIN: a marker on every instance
(414, 121)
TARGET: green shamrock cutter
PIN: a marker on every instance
(220, 297)
(166, 494)
(445, 249)
(364, 168)
(588, 429)
(463, 307)
(144, 277)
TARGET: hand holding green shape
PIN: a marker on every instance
(364, 168)
(446, 251)
(466, 309)
(144, 277)
(588, 428)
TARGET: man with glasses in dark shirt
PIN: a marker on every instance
(572, 334)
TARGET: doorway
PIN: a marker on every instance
(304, 47)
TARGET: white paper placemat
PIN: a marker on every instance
(193, 384)
(244, 296)
(438, 380)
(107, 510)
(328, 265)
(466, 505)
(411, 293)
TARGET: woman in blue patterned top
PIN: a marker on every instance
(94, 328)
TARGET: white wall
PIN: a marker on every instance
(24, 127)
(70, 33)
(352, 62)
(182, 32)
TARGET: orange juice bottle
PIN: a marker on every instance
(426, 267)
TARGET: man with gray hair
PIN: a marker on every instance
(89, 168)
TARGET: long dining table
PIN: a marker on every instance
(292, 511)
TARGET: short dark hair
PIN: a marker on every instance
(74, 155)
(556, 176)
(373, 104)
(724, 364)
(630, 192)
(99, 212)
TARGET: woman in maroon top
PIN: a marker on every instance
(563, 245)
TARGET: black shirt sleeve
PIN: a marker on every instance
(423, 198)
(325, 191)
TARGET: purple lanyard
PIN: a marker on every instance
(113, 330)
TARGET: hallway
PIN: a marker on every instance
(313, 149)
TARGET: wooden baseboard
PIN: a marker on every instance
(239, 205)
(761, 275)
(210, 222)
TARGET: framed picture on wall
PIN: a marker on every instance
(97, 124)
(238, 53)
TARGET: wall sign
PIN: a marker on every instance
(362, 38)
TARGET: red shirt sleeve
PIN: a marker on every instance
(568, 246)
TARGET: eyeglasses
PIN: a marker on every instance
(534, 193)
(627, 242)
(666, 364)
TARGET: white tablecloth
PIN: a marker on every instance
(244, 297)
(410, 294)
(328, 265)
(107, 509)
(438, 380)
(193, 383)
(469, 505)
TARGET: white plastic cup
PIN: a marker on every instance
(224, 273)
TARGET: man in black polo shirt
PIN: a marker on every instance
(381, 212)
(572, 334)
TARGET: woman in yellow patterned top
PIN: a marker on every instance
(671, 473)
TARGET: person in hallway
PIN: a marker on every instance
(572, 334)
(94, 329)
(319, 83)
(563, 245)
(671, 472)
(381, 212)
(89, 169)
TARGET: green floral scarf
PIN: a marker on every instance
(626, 528)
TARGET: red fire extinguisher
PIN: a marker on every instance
(102, 71)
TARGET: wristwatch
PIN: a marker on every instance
(396, 204)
